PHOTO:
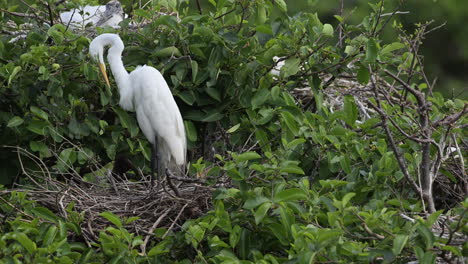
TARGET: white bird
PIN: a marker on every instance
(109, 15)
(145, 91)
(277, 69)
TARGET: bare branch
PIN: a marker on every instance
(450, 119)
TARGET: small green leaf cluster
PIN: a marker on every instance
(294, 222)
(34, 234)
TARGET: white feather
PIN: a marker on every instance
(145, 91)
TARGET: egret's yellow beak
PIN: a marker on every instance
(103, 71)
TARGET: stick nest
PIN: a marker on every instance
(160, 206)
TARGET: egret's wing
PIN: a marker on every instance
(155, 101)
(83, 15)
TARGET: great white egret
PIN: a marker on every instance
(109, 15)
(145, 91)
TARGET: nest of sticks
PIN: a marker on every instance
(167, 204)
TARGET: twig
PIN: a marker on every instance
(151, 230)
(450, 119)
(242, 18)
(407, 218)
(378, 18)
(51, 18)
(18, 14)
(175, 220)
(227, 13)
(16, 208)
(340, 26)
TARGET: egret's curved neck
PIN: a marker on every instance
(121, 76)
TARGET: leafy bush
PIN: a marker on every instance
(333, 159)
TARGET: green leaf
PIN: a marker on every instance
(213, 93)
(62, 230)
(264, 28)
(167, 52)
(350, 50)
(13, 74)
(233, 129)
(433, 218)
(363, 75)
(327, 30)
(191, 130)
(194, 69)
(427, 235)
(350, 110)
(275, 92)
(27, 243)
(112, 218)
(291, 168)
(391, 47)
(15, 121)
(339, 18)
(50, 235)
(261, 212)
(187, 96)
(293, 194)
(295, 142)
(371, 50)
(279, 231)
(46, 214)
(399, 243)
(290, 122)
(260, 97)
(216, 242)
(84, 155)
(291, 67)
(247, 156)
(224, 220)
(160, 248)
(254, 202)
(127, 121)
(144, 149)
(282, 5)
(234, 236)
(38, 127)
(213, 116)
(39, 113)
(347, 198)
(287, 218)
(329, 236)
(345, 164)
(142, 13)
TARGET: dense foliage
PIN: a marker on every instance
(306, 181)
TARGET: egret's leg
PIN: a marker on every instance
(153, 159)
(158, 160)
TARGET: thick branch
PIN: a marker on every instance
(450, 119)
(419, 95)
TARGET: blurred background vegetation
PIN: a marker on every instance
(445, 49)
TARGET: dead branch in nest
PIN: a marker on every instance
(157, 207)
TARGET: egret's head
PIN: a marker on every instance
(96, 51)
(113, 8)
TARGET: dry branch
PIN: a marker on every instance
(155, 207)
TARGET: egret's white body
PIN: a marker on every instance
(145, 91)
(110, 14)
(277, 69)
